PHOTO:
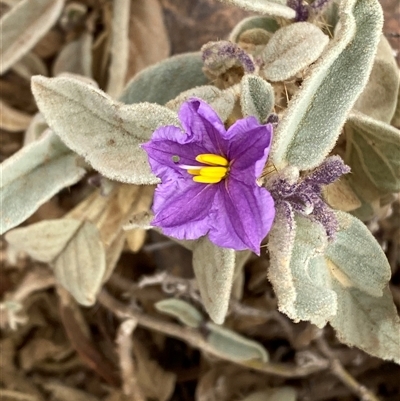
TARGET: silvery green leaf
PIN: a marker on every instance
(298, 271)
(284, 393)
(315, 116)
(235, 346)
(268, 24)
(222, 101)
(366, 191)
(107, 133)
(378, 148)
(36, 128)
(164, 81)
(280, 247)
(214, 269)
(276, 8)
(33, 175)
(257, 98)
(74, 250)
(119, 47)
(23, 26)
(315, 300)
(75, 57)
(291, 49)
(356, 259)
(183, 311)
(367, 322)
(379, 98)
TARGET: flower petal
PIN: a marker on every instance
(166, 144)
(242, 216)
(182, 208)
(204, 125)
(249, 145)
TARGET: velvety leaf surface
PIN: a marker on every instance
(367, 322)
(379, 98)
(183, 311)
(359, 257)
(257, 97)
(316, 114)
(274, 8)
(107, 133)
(315, 300)
(74, 250)
(23, 26)
(378, 148)
(265, 23)
(236, 346)
(291, 49)
(214, 269)
(175, 75)
(33, 175)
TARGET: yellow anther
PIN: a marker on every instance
(217, 172)
(194, 172)
(212, 160)
(207, 180)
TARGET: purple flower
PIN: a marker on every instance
(208, 178)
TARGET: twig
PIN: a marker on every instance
(16, 395)
(130, 385)
(196, 340)
(343, 375)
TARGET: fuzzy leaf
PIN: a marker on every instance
(214, 268)
(367, 322)
(23, 26)
(315, 300)
(366, 191)
(76, 57)
(74, 250)
(166, 80)
(33, 175)
(235, 346)
(379, 98)
(291, 49)
(356, 259)
(119, 47)
(183, 311)
(222, 101)
(274, 8)
(280, 247)
(378, 147)
(316, 114)
(30, 65)
(107, 133)
(257, 98)
(265, 23)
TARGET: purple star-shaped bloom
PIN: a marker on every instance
(208, 178)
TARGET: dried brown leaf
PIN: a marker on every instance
(13, 120)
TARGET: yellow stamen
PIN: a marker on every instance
(217, 172)
(212, 160)
(194, 172)
(207, 180)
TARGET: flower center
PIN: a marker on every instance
(215, 169)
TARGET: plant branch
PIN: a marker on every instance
(196, 340)
(343, 375)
